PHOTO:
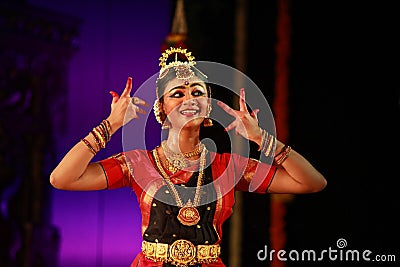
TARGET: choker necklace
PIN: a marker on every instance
(188, 214)
(178, 161)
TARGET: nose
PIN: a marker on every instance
(190, 101)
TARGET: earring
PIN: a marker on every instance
(158, 113)
(207, 122)
(166, 125)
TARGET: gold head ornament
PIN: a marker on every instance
(182, 68)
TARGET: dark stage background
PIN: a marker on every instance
(54, 84)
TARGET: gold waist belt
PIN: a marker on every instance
(181, 253)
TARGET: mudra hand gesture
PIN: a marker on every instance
(124, 108)
(245, 123)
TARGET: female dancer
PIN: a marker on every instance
(185, 191)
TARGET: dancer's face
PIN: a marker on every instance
(186, 103)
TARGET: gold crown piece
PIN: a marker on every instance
(176, 50)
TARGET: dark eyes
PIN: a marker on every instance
(178, 94)
(198, 93)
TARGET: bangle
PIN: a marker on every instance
(108, 127)
(98, 144)
(104, 130)
(102, 133)
(100, 136)
(267, 143)
(87, 143)
(282, 155)
(264, 134)
(280, 152)
(271, 141)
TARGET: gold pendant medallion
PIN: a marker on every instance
(188, 215)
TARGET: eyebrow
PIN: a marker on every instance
(183, 87)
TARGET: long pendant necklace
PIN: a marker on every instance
(179, 161)
(188, 214)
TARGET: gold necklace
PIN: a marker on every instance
(188, 214)
(172, 167)
(178, 161)
(195, 152)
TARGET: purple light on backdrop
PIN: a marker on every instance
(117, 39)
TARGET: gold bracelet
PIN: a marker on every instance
(96, 139)
(87, 143)
(271, 141)
(264, 135)
(282, 155)
(267, 143)
(97, 130)
(104, 131)
(108, 128)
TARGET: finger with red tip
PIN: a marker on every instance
(254, 113)
(128, 88)
(115, 96)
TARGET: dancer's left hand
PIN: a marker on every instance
(245, 123)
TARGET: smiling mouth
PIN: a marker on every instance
(189, 112)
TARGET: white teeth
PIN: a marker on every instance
(184, 112)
